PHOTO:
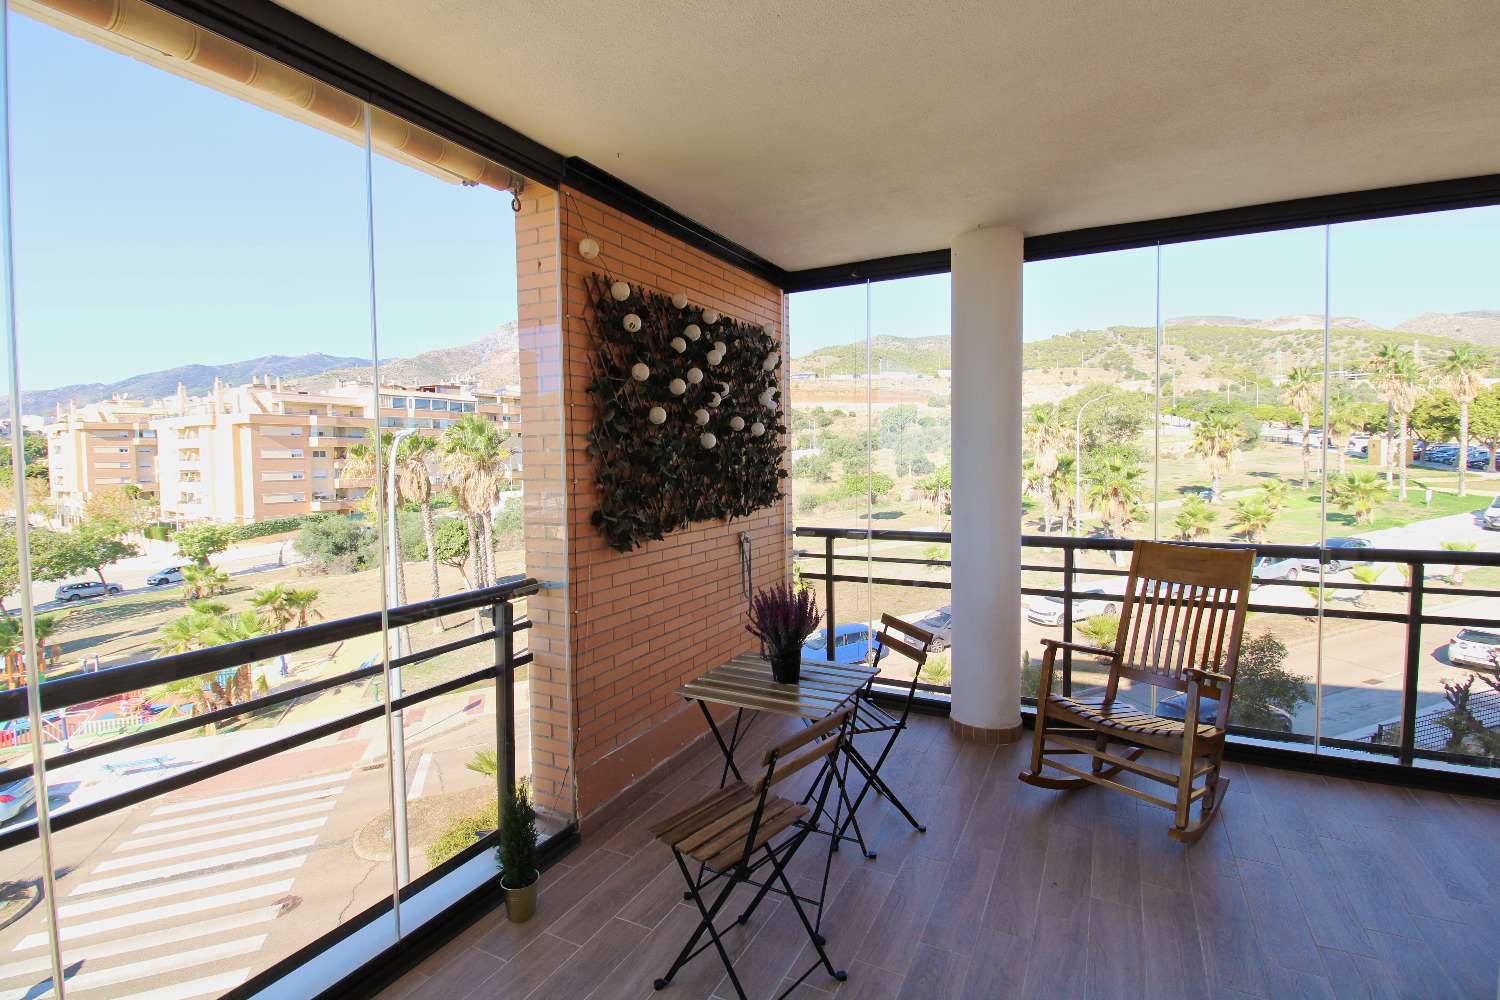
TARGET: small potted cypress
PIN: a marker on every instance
(518, 857)
(782, 618)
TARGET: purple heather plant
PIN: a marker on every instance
(782, 618)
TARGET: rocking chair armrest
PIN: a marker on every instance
(1205, 676)
(1077, 647)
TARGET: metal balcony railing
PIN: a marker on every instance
(1407, 745)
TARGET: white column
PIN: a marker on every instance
(986, 432)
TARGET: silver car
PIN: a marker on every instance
(16, 798)
(70, 592)
(1049, 610)
(1270, 569)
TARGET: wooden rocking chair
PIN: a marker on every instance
(1180, 627)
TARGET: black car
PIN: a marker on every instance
(1338, 562)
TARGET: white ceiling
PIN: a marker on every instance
(824, 132)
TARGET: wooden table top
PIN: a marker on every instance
(745, 682)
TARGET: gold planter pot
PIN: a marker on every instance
(520, 904)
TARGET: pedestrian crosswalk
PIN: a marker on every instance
(182, 905)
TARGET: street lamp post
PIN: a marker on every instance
(396, 649)
(1078, 463)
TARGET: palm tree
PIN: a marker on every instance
(301, 602)
(1358, 493)
(1115, 490)
(1252, 517)
(1304, 386)
(1060, 486)
(199, 582)
(414, 484)
(1216, 438)
(1340, 428)
(1045, 433)
(1399, 380)
(1275, 493)
(1456, 574)
(274, 607)
(1459, 371)
(1194, 520)
(362, 460)
(474, 453)
(1367, 574)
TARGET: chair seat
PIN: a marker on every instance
(871, 718)
(713, 830)
(1123, 720)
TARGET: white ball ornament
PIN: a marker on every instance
(677, 387)
(715, 399)
(639, 371)
(588, 248)
(707, 439)
(700, 415)
(679, 300)
(757, 429)
(679, 345)
(768, 398)
(695, 375)
(620, 291)
(737, 423)
(772, 360)
(692, 331)
(632, 323)
(710, 316)
(657, 415)
(721, 347)
(713, 358)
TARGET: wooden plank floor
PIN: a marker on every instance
(1306, 887)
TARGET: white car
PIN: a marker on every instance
(1269, 569)
(1475, 647)
(1491, 515)
(1049, 610)
(16, 798)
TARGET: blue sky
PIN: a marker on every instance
(159, 223)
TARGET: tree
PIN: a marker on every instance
(1456, 573)
(874, 486)
(198, 542)
(473, 452)
(97, 544)
(814, 468)
(1368, 574)
(1357, 493)
(1194, 519)
(1459, 372)
(1266, 694)
(336, 545)
(202, 582)
(939, 489)
(1252, 517)
(1275, 493)
(10, 564)
(414, 485)
(452, 540)
(1339, 429)
(1216, 438)
(303, 602)
(125, 506)
(1045, 434)
(275, 609)
(1399, 380)
(1435, 418)
(1117, 420)
(1115, 488)
(1484, 422)
(1302, 392)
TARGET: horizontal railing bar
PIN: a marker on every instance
(153, 733)
(80, 688)
(67, 818)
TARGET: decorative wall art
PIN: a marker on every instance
(688, 423)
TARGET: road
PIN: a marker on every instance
(193, 893)
(131, 573)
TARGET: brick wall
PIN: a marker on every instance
(639, 623)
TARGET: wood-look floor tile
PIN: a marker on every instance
(997, 968)
(1116, 955)
(1231, 950)
(1053, 965)
(1358, 977)
(608, 898)
(1169, 934)
(1276, 911)
(593, 963)
(958, 916)
(892, 938)
(1471, 959)
(934, 973)
(1330, 918)
(524, 973)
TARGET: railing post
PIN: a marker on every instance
(1068, 563)
(1413, 661)
(504, 616)
(828, 595)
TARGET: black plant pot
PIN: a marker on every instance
(786, 668)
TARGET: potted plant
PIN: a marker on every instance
(782, 618)
(518, 858)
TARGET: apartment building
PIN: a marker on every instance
(241, 454)
(101, 445)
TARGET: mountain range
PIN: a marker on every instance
(491, 361)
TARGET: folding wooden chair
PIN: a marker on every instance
(1180, 627)
(869, 718)
(730, 835)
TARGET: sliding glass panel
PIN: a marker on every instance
(831, 456)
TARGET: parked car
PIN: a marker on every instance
(1175, 707)
(79, 591)
(851, 644)
(16, 798)
(1491, 515)
(1049, 610)
(940, 624)
(1271, 568)
(1339, 563)
(162, 577)
(1475, 647)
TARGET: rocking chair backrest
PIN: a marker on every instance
(1184, 607)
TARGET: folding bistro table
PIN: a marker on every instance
(745, 684)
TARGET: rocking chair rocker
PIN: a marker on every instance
(1180, 627)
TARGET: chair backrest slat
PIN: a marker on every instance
(805, 736)
(921, 635)
(918, 656)
(1184, 606)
